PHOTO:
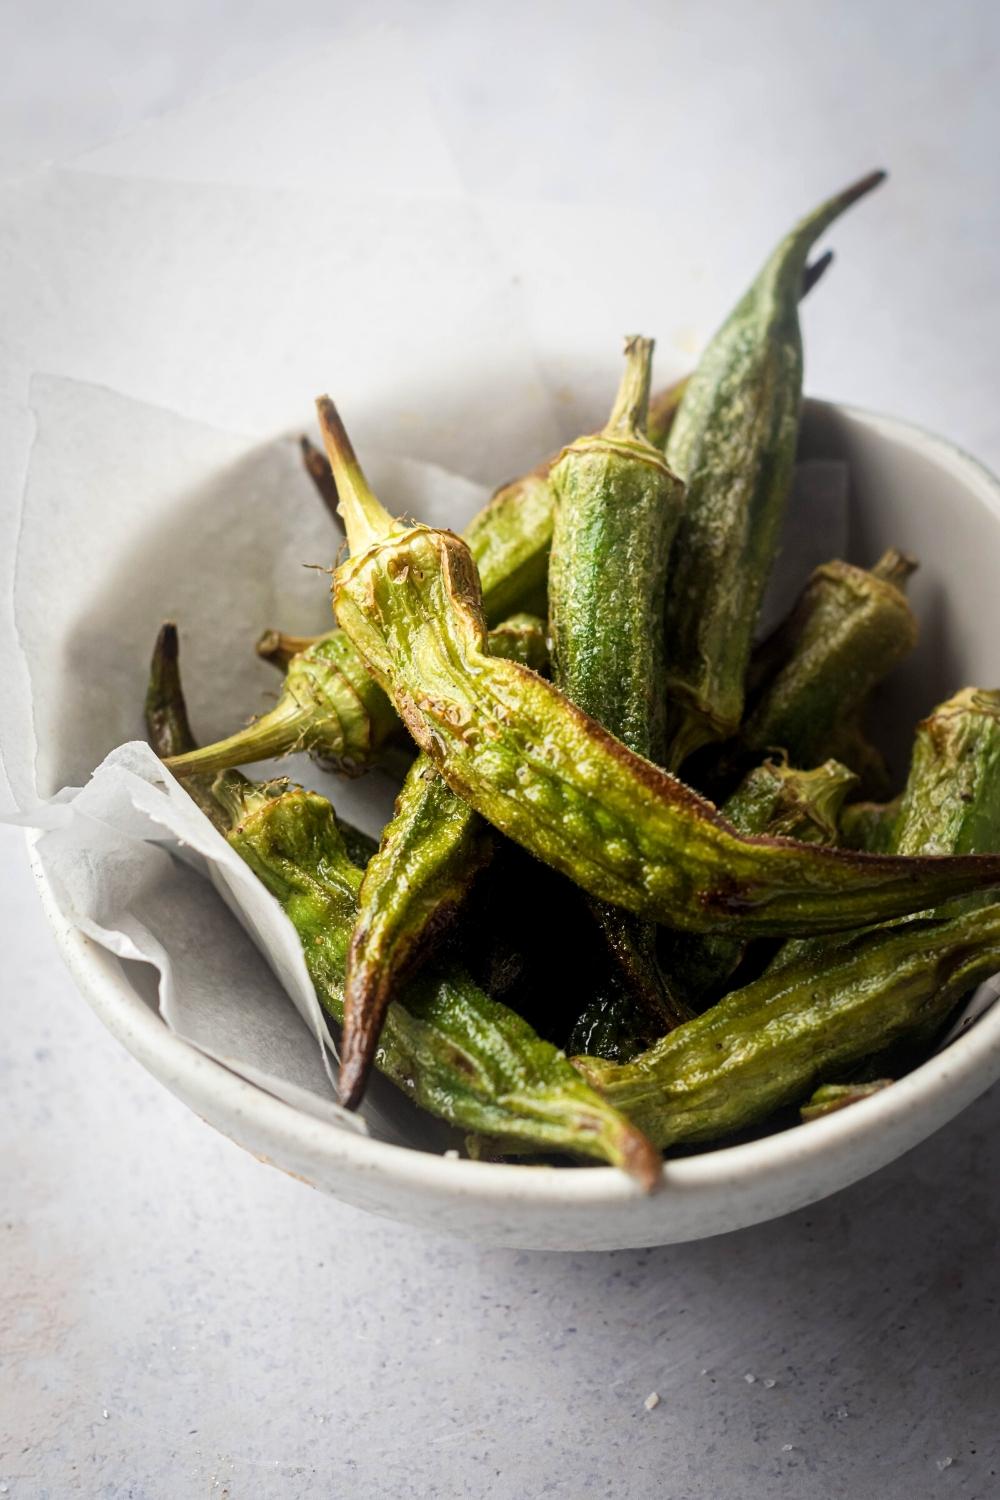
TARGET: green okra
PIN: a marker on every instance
(609, 1025)
(773, 1042)
(548, 776)
(447, 1045)
(733, 443)
(617, 509)
(950, 803)
(847, 630)
(430, 853)
(869, 826)
(775, 799)
(329, 705)
(831, 1097)
(787, 802)
(827, 1004)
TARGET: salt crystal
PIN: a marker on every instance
(651, 1401)
(750, 1379)
(945, 1463)
(104, 1414)
(787, 1447)
(769, 1385)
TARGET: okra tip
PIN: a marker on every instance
(640, 1159)
(318, 468)
(355, 1065)
(815, 270)
(365, 519)
(166, 713)
(165, 652)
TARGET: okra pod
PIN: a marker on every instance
(447, 1045)
(330, 706)
(414, 886)
(950, 803)
(617, 509)
(774, 1041)
(868, 825)
(831, 1097)
(544, 773)
(846, 632)
(825, 1005)
(776, 799)
(733, 443)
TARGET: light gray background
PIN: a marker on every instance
(177, 1320)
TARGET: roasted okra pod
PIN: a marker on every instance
(530, 762)
(846, 632)
(617, 509)
(448, 1046)
(414, 886)
(773, 1042)
(826, 1005)
(775, 799)
(733, 444)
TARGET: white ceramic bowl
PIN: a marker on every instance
(907, 488)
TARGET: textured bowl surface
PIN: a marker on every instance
(907, 489)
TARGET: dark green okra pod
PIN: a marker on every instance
(609, 1025)
(617, 509)
(827, 1004)
(771, 1043)
(869, 826)
(846, 632)
(733, 443)
(414, 886)
(775, 799)
(449, 1047)
(537, 768)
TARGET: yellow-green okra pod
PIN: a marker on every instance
(617, 509)
(449, 1046)
(733, 444)
(416, 883)
(951, 803)
(552, 779)
(329, 705)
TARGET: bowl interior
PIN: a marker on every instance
(906, 489)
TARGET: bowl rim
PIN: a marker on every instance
(968, 1060)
